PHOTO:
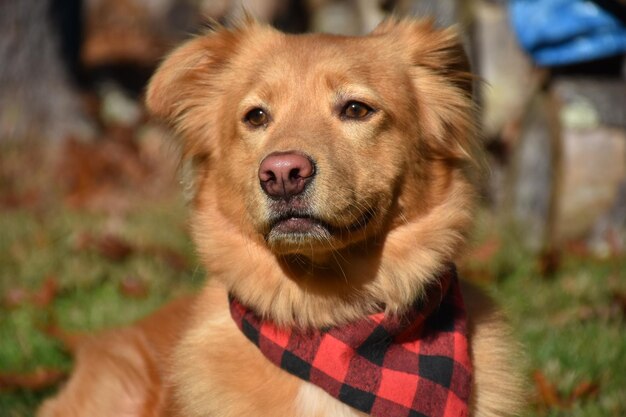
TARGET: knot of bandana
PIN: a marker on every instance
(413, 365)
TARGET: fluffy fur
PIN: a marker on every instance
(392, 190)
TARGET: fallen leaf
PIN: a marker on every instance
(71, 341)
(549, 262)
(109, 246)
(548, 393)
(100, 171)
(486, 251)
(36, 380)
(133, 287)
(585, 390)
(172, 258)
(16, 200)
(113, 247)
(618, 298)
(551, 398)
(578, 248)
(476, 275)
(46, 293)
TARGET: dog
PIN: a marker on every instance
(333, 193)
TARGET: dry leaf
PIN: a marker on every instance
(585, 390)
(476, 275)
(46, 293)
(549, 262)
(578, 248)
(37, 380)
(551, 398)
(133, 287)
(486, 251)
(113, 247)
(14, 200)
(548, 393)
(618, 299)
(17, 297)
(172, 258)
(100, 171)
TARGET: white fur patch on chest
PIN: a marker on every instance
(312, 401)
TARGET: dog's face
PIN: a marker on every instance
(308, 140)
(314, 143)
(342, 151)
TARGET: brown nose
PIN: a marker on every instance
(285, 174)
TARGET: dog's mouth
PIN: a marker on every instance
(298, 226)
(295, 223)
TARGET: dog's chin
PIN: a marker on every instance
(300, 235)
(308, 235)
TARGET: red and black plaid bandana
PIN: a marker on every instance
(416, 365)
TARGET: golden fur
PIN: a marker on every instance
(394, 187)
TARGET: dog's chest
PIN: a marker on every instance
(312, 401)
(230, 377)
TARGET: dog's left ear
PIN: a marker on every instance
(175, 84)
(186, 89)
(443, 84)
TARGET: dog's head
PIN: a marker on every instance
(319, 151)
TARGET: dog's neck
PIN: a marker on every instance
(422, 355)
(350, 283)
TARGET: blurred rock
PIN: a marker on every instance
(601, 100)
(117, 107)
(579, 114)
(568, 174)
(507, 72)
(593, 169)
(37, 99)
(592, 202)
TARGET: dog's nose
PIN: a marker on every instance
(285, 174)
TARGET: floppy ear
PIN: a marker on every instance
(186, 89)
(188, 74)
(443, 84)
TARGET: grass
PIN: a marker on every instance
(570, 324)
(572, 332)
(49, 239)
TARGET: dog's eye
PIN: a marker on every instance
(256, 117)
(356, 110)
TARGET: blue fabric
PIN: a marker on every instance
(560, 32)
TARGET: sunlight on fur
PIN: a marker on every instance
(332, 183)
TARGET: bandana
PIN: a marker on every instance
(414, 365)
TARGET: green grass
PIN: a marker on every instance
(572, 327)
(42, 241)
(571, 334)
(89, 296)
(569, 324)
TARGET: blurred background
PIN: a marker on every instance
(93, 228)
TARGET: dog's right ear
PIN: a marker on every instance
(188, 74)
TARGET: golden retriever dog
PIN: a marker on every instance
(332, 197)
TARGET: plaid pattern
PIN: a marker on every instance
(417, 365)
